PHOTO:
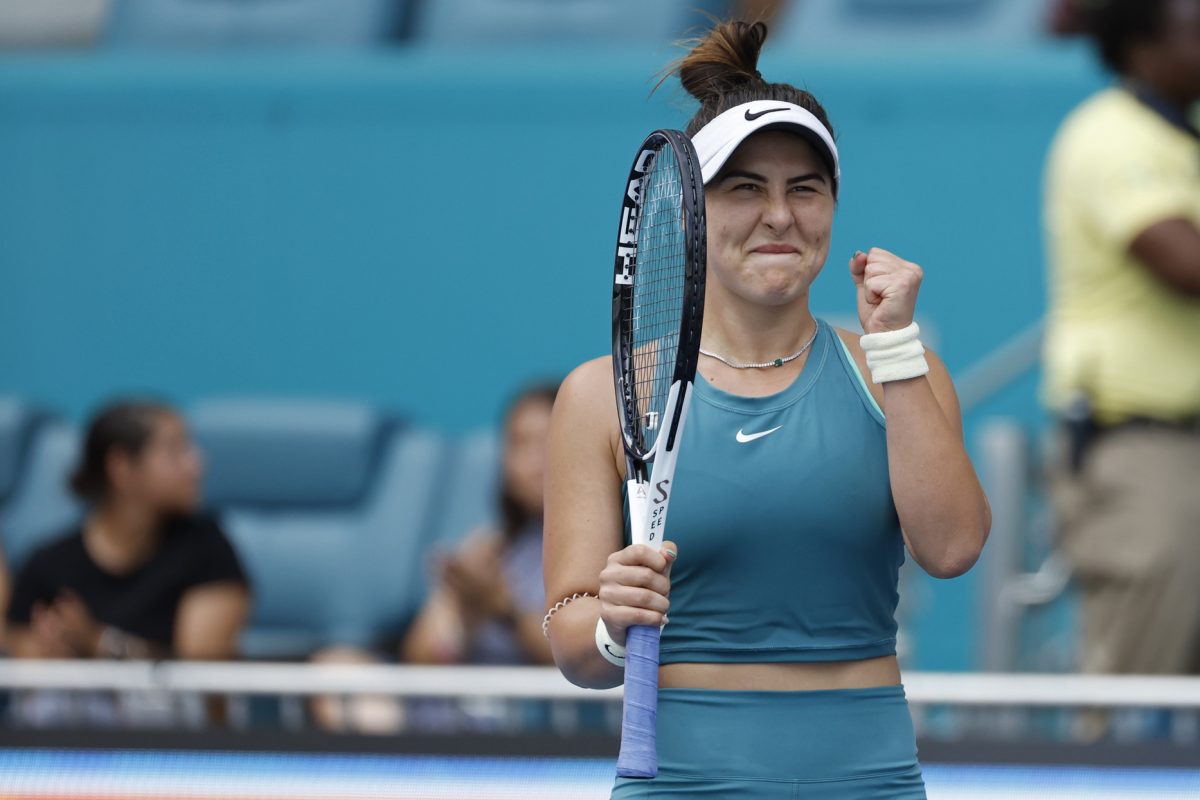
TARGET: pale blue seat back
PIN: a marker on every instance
(468, 502)
(471, 499)
(40, 506)
(327, 504)
(18, 420)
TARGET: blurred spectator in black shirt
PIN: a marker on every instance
(144, 576)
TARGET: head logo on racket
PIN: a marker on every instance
(630, 219)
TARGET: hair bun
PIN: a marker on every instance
(723, 60)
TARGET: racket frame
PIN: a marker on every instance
(624, 274)
(648, 493)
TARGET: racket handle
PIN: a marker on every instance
(639, 749)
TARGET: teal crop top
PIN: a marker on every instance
(789, 543)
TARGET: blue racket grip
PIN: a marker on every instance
(639, 748)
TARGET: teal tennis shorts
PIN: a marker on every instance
(840, 744)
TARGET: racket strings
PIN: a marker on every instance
(658, 291)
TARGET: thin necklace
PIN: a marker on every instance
(779, 362)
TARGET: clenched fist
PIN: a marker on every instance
(887, 289)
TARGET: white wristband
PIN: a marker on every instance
(613, 653)
(895, 355)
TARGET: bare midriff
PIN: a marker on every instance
(790, 677)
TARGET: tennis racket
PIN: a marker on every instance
(658, 305)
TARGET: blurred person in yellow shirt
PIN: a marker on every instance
(1122, 354)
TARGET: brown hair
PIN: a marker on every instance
(721, 71)
(513, 516)
(125, 425)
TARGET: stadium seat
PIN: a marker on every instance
(289, 453)
(472, 483)
(327, 504)
(551, 21)
(468, 501)
(39, 505)
(837, 24)
(412, 485)
(254, 23)
(17, 422)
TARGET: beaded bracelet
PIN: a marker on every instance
(557, 606)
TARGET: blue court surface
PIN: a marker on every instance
(93, 774)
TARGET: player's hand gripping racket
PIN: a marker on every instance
(658, 304)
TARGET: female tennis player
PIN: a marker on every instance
(812, 456)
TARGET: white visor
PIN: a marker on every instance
(717, 140)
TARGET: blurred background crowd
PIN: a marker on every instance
(279, 329)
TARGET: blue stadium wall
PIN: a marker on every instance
(428, 229)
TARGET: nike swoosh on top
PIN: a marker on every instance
(750, 117)
(750, 437)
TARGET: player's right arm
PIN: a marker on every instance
(584, 532)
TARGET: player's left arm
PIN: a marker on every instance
(943, 511)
